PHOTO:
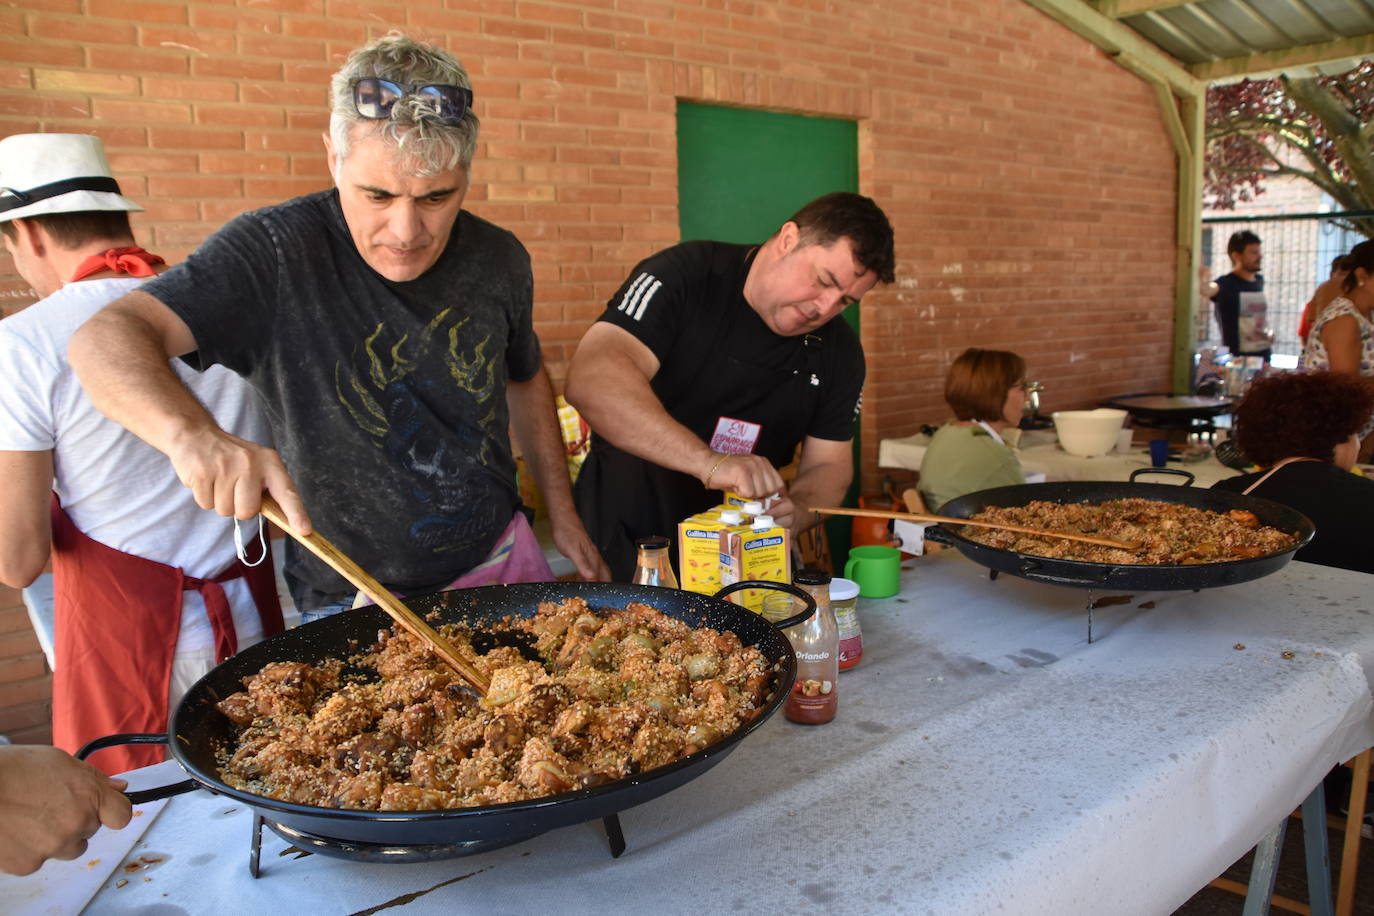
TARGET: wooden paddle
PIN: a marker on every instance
(323, 548)
(941, 519)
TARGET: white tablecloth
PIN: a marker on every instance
(1040, 453)
(986, 758)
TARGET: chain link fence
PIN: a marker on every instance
(1297, 248)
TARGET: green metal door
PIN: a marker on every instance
(742, 173)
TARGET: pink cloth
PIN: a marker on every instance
(517, 557)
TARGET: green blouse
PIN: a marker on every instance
(965, 459)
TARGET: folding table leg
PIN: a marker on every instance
(1315, 847)
(1266, 864)
(1263, 872)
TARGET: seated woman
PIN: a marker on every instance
(987, 390)
(1302, 427)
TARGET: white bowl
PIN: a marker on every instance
(1088, 433)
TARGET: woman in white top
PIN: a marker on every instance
(1342, 340)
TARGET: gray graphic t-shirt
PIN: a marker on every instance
(387, 400)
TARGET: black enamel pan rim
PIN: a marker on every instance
(984, 499)
(488, 603)
(1088, 574)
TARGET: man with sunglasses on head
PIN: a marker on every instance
(390, 334)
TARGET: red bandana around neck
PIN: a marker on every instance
(132, 261)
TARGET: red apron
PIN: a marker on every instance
(117, 617)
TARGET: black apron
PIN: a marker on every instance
(622, 498)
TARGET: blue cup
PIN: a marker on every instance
(1159, 452)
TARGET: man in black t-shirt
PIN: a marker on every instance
(390, 335)
(1239, 299)
(713, 362)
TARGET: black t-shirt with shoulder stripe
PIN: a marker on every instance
(386, 400)
(717, 359)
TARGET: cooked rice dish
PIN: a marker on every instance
(1168, 534)
(614, 693)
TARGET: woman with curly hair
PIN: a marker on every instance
(1302, 427)
(986, 389)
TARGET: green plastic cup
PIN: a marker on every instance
(877, 569)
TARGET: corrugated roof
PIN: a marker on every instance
(1222, 40)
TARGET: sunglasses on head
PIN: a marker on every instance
(375, 97)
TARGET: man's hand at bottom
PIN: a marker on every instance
(51, 804)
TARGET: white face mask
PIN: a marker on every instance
(238, 544)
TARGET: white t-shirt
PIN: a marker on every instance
(115, 487)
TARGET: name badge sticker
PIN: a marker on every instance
(737, 437)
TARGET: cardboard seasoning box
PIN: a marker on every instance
(757, 551)
(698, 546)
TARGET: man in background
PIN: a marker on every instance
(148, 592)
(1240, 304)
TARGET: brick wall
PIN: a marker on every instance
(1030, 180)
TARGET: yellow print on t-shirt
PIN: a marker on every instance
(361, 389)
(387, 388)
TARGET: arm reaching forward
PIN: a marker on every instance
(609, 383)
(120, 355)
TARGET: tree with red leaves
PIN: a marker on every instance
(1320, 129)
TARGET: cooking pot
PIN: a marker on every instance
(198, 729)
(1083, 574)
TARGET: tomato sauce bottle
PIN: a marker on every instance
(814, 700)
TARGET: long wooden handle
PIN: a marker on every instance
(338, 561)
(947, 520)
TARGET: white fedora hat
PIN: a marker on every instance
(56, 173)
